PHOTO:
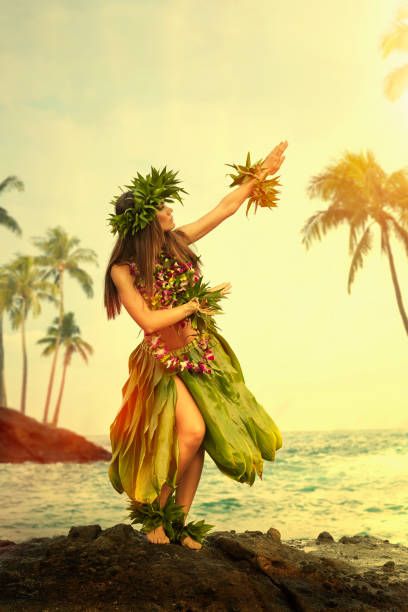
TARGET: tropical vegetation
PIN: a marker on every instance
(67, 334)
(363, 197)
(60, 255)
(395, 42)
(7, 221)
(23, 290)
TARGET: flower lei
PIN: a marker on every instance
(179, 364)
(171, 278)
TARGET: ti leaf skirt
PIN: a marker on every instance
(240, 434)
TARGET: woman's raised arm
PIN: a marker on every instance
(233, 200)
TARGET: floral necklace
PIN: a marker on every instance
(183, 359)
(170, 279)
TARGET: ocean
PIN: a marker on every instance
(346, 482)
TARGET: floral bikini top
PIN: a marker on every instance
(170, 278)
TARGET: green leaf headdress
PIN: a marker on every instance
(148, 193)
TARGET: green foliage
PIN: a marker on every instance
(360, 194)
(23, 289)
(265, 191)
(202, 320)
(61, 252)
(396, 41)
(171, 516)
(67, 334)
(11, 182)
(195, 529)
(246, 172)
(148, 193)
(152, 516)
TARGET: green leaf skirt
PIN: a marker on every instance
(240, 434)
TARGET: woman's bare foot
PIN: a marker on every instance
(158, 536)
(188, 542)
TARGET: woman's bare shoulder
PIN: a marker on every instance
(121, 270)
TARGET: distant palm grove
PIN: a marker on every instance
(28, 281)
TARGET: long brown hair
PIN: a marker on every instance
(143, 249)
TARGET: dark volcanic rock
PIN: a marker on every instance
(118, 569)
(23, 438)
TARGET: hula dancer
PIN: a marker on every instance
(185, 393)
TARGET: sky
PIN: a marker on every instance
(94, 91)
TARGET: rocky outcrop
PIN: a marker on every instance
(23, 438)
(118, 569)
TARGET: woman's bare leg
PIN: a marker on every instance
(188, 485)
(190, 433)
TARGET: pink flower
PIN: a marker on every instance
(183, 364)
(173, 362)
(155, 341)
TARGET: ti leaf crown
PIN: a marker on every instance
(149, 192)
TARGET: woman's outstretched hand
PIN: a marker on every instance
(274, 160)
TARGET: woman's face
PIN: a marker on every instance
(165, 216)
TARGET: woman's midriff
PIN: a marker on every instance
(176, 338)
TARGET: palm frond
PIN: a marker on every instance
(9, 222)
(363, 248)
(397, 38)
(396, 82)
(400, 233)
(350, 183)
(357, 223)
(72, 242)
(11, 182)
(323, 220)
(84, 279)
(397, 189)
(84, 255)
(83, 349)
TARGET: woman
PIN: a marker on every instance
(185, 392)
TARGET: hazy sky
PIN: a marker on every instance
(94, 91)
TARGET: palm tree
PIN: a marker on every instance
(10, 223)
(362, 195)
(28, 289)
(396, 40)
(7, 292)
(5, 219)
(69, 336)
(61, 253)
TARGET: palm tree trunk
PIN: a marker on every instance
(55, 356)
(395, 280)
(3, 394)
(61, 391)
(24, 347)
(51, 383)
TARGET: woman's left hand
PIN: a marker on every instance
(274, 160)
